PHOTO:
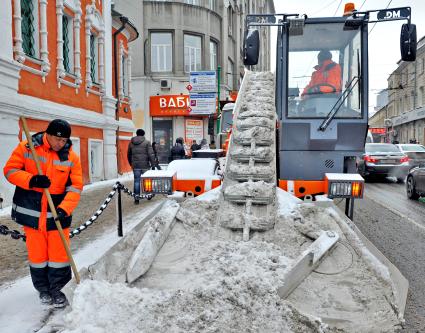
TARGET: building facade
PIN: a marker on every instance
(405, 113)
(180, 37)
(57, 61)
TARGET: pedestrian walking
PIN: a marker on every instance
(204, 144)
(177, 151)
(62, 174)
(141, 158)
(155, 153)
(194, 146)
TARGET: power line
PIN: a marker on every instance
(362, 5)
(389, 3)
(323, 8)
(336, 11)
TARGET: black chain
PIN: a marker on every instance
(15, 234)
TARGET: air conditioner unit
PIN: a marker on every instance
(165, 84)
(388, 122)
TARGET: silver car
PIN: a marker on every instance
(383, 159)
(415, 152)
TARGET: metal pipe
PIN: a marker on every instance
(124, 21)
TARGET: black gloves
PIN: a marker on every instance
(40, 181)
(61, 214)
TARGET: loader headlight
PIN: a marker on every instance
(345, 185)
(158, 182)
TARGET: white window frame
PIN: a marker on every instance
(40, 36)
(162, 53)
(76, 145)
(124, 74)
(213, 55)
(192, 52)
(94, 22)
(75, 7)
(99, 159)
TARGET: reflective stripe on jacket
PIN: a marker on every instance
(30, 207)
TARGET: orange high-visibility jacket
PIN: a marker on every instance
(30, 206)
(326, 79)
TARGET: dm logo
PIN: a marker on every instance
(393, 14)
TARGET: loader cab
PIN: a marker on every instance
(322, 102)
(322, 73)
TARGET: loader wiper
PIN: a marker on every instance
(337, 106)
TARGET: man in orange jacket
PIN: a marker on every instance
(62, 175)
(326, 78)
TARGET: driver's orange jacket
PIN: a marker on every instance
(326, 79)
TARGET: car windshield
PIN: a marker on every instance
(381, 148)
(323, 72)
(412, 148)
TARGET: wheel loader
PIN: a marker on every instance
(249, 255)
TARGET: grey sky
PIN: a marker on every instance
(384, 44)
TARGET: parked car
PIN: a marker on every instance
(383, 159)
(415, 152)
(415, 183)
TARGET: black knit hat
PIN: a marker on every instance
(60, 128)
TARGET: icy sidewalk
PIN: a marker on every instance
(19, 300)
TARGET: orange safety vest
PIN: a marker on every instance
(326, 79)
(30, 206)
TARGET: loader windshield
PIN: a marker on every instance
(321, 64)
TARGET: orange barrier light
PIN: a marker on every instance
(349, 8)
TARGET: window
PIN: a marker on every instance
(161, 52)
(192, 53)
(213, 55)
(68, 44)
(230, 20)
(29, 27)
(212, 4)
(95, 50)
(94, 58)
(124, 75)
(230, 74)
(314, 96)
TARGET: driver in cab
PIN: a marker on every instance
(326, 78)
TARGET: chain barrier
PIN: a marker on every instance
(15, 234)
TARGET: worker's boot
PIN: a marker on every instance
(136, 201)
(46, 298)
(59, 299)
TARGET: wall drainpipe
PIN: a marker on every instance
(124, 21)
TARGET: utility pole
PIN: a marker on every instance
(218, 98)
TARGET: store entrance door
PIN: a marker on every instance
(162, 135)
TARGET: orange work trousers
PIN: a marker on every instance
(46, 247)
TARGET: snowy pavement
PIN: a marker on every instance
(20, 308)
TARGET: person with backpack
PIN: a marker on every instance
(178, 152)
(141, 157)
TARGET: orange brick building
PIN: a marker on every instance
(68, 59)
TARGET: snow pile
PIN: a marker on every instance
(234, 291)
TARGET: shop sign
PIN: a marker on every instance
(377, 130)
(203, 104)
(169, 105)
(194, 129)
